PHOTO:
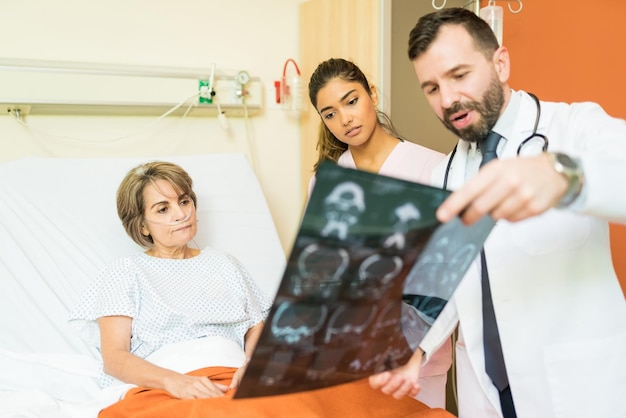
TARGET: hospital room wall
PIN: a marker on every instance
(565, 50)
(235, 35)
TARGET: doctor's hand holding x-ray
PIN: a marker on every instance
(513, 190)
(558, 310)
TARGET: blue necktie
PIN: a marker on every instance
(489, 146)
(494, 360)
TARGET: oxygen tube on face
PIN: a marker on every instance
(177, 222)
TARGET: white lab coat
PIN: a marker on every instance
(560, 310)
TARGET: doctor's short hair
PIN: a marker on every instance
(131, 204)
(428, 26)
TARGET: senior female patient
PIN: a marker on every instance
(202, 308)
(355, 134)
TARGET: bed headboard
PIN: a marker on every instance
(59, 226)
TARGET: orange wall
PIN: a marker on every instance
(572, 50)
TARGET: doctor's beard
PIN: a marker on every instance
(489, 109)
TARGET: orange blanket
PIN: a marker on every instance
(355, 399)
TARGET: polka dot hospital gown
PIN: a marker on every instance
(172, 300)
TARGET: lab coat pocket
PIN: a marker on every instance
(588, 379)
(554, 231)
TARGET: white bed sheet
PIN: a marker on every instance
(58, 227)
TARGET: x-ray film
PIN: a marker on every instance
(370, 270)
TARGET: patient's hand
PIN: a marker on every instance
(238, 375)
(188, 387)
(402, 381)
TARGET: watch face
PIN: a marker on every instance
(565, 160)
(569, 168)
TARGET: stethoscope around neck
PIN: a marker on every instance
(530, 137)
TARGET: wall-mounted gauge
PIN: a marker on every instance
(243, 77)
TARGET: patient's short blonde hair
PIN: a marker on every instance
(131, 205)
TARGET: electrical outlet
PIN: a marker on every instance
(206, 95)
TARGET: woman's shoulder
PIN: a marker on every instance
(209, 252)
(125, 262)
(213, 255)
(412, 162)
(346, 160)
(121, 271)
(416, 150)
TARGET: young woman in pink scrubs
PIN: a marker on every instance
(357, 135)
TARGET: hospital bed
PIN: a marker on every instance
(59, 227)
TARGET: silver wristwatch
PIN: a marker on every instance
(571, 169)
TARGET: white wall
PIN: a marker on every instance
(256, 36)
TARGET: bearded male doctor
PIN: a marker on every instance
(541, 316)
